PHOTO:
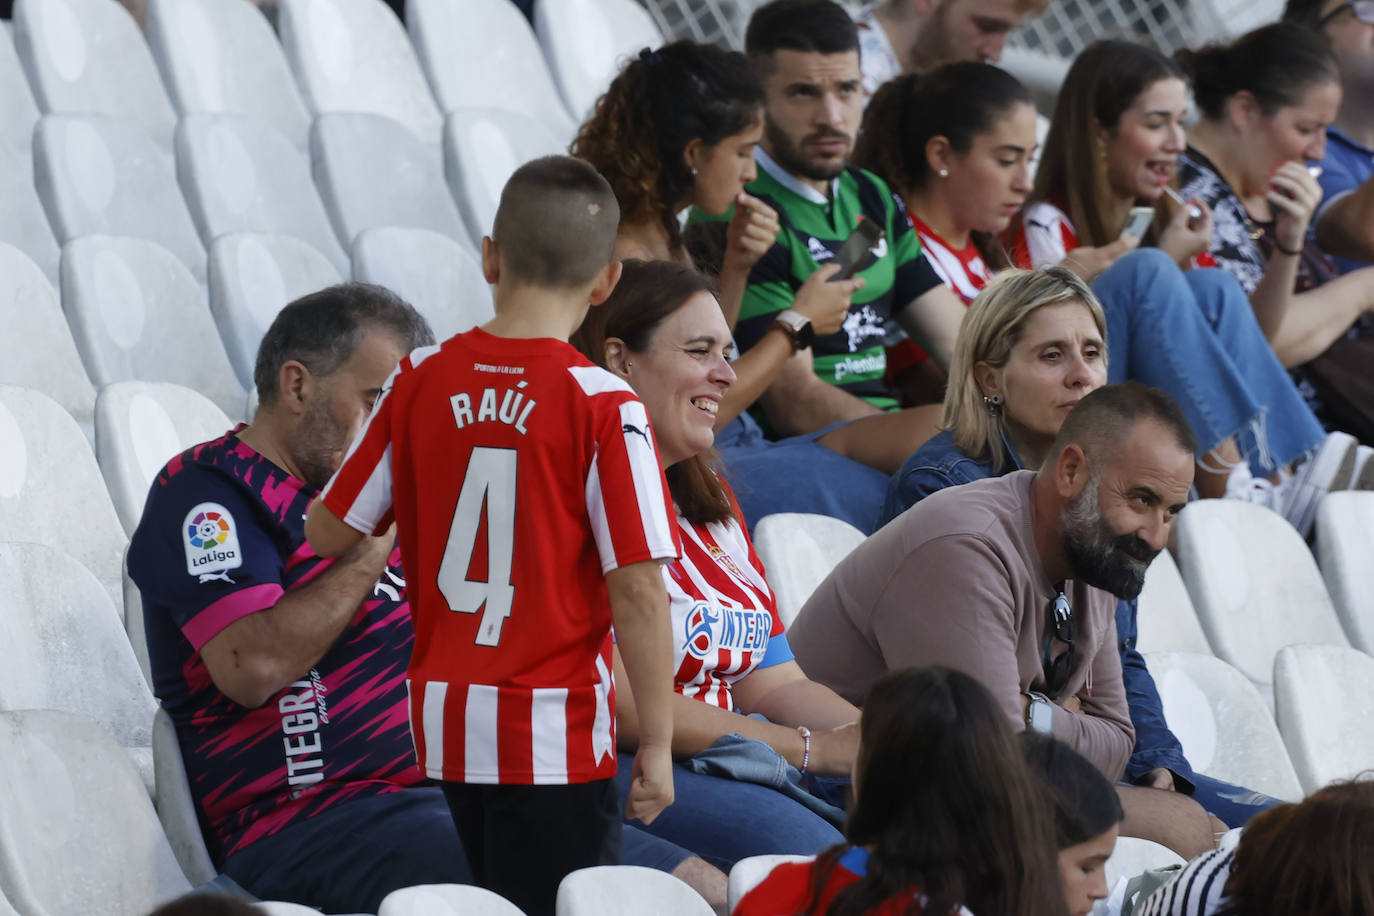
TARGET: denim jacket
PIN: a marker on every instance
(939, 464)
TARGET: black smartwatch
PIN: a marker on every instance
(798, 328)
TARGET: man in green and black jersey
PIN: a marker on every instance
(806, 52)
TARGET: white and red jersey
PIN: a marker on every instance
(963, 269)
(1043, 237)
(725, 620)
(518, 475)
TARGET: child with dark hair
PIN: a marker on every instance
(947, 817)
(530, 505)
(1087, 815)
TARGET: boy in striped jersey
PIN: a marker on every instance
(531, 511)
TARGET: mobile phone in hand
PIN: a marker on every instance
(1138, 223)
(856, 247)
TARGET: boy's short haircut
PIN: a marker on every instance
(556, 224)
(810, 26)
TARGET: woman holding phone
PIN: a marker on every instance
(957, 143)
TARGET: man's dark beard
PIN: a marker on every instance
(790, 157)
(316, 443)
(1097, 555)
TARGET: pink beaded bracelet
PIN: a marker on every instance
(806, 746)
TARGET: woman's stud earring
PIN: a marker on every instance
(943, 173)
(993, 404)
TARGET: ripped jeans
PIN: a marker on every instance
(1194, 335)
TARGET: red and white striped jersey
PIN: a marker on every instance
(724, 614)
(1043, 236)
(962, 269)
(518, 475)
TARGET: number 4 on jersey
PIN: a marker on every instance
(490, 479)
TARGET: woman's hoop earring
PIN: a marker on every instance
(993, 403)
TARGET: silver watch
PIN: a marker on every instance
(1040, 714)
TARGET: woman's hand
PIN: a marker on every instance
(1293, 195)
(1185, 237)
(824, 301)
(1089, 262)
(833, 750)
(753, 229)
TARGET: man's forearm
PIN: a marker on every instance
(1346, 226)
(256, 656)
(796, 406)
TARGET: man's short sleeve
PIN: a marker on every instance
(361, 491)
(1337, 179)
(201, 554)
(914, 276)
(627, 495)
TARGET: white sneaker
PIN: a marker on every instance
(1331, 466)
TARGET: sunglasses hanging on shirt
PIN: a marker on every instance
(1059, 627)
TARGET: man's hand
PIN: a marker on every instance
(1089, 262)
(753, 229)
(651, 783)
(1072, 704)
(824, 301)
(834, 750)
(1158, 778)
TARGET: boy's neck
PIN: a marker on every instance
(529, 312)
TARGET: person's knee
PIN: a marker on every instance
(1167, 818)
(704, 878)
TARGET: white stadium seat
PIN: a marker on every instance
(51, 491)
(66, 649)
(22, 221)
(372, 171)
(1167, 621)
(468, 49)
(1223, 723)
(36, 348)
(101, 176)
(627, 890)
(252, 276)
(139, 427)
(482, 147)
(1345, 548)
(1322, 700)
(137, 313)
(88, 57)
(1254, 584)
(354, 55)
(446, 900)
(77, 832)
(586, 41)
(430, 271)
(133, 622)
(176, 809)
(240, 174)
(798, 550)
(747, 873)
(222, 56)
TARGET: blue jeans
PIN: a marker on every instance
(725, 820)
(1195, 336)
(797, 474)
(1232, 805)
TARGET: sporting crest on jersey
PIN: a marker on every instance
(211, 539)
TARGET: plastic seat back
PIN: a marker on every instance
(1223, 723)
(482, 147)
(222, 56)
(354, 55)
(430, 271)
(22, 220)
(137, 313)
(1322, 704)
(627, 890)
(798, 551)
(1345, 545)
(77, 831)
(586, 41)
(446, 900)
(1167, 621)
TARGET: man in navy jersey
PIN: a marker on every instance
(285, 672)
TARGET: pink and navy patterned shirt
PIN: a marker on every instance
(222, 537)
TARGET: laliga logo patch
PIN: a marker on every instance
(211, 540)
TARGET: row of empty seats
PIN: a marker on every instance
(382, 150)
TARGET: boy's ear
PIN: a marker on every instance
(605, 283)
(491, 260)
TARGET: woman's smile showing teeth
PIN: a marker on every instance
(706, 404)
